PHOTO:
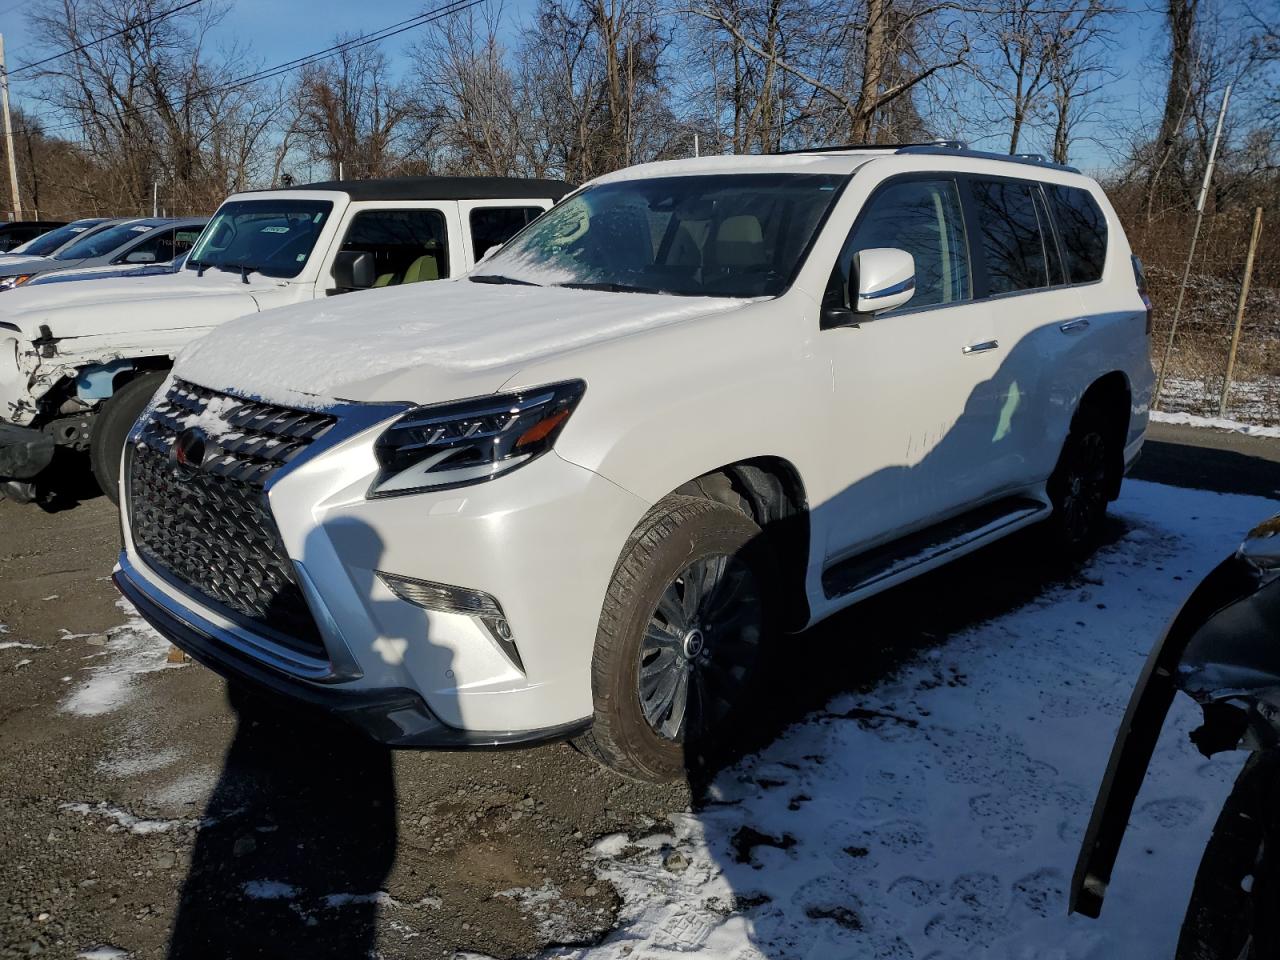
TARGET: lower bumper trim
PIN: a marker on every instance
(397, 717)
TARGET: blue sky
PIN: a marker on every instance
(279, 30)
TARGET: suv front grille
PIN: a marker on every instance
(210, 528)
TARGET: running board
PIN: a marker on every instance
(867, 569)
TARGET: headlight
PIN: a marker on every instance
(16, 280)
(456, 444)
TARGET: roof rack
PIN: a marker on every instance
(835, 147)
(946, 148)
(951, 148)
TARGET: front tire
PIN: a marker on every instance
(111, 429)
(681, 639)
(1232, 911)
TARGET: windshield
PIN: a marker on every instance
(273, 237)
(737, 235)
(101, 242)
(46, 243)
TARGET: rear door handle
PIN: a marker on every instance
(1074, 326)
(981, 347)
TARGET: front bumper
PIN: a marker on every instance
(24, 451)
(395, 717)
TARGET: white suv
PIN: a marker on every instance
(579, 491)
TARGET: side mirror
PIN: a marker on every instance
(886, 279)
(353, 270)
(490, 252)
(140, 256)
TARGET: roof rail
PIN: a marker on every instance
(946, 148)
(896, 147)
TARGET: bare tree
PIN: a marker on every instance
(350, 111)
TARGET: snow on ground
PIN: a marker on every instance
(940, 816)
(1255, 401)
(130, 649)
(1218, 423)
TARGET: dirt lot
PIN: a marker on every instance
(143, 808)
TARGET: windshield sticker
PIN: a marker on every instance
(140, 229)
(79, 229)
(275, 230)
(301, 257)
(318, 217)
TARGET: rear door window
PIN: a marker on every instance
(491, 226)
(1012, 240)
(408, 246)
(1082, 228)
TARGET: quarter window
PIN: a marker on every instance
(924, 218)
(491, 226)
(1082, 228)
(1012, 240)
(408, 246)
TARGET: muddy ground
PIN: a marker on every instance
(144, 808)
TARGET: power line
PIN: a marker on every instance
(109, 36)
(268, 73)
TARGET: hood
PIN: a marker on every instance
(12, 263)
(129, 304)
(422, 343)
(102, 273)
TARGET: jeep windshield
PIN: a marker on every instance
(720, 235)
(272, 237)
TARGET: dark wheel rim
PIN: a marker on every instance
(1084, 487)
(700, 644)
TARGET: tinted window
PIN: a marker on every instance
(101, 242)
(274, 237)
(491, 226)
(1082, 230)
(407, 245)
(46, 243)
(922, 217)
(1011, 237)
(719, 235)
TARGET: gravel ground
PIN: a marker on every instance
(146, 810)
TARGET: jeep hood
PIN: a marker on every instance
(423, 343)
(131, 304)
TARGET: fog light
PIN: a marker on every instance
(444, 598)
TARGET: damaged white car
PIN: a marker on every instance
(79, 361)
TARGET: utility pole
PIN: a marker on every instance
(1244, 297)
(8, 134)
(1191, 252)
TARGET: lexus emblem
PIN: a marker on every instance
(189, 449)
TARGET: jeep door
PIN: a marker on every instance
(911, 385)
(411, 241)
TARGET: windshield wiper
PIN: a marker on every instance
(499, 278)
(610, 287)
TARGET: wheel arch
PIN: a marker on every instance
(1110, 398)
(772, 492)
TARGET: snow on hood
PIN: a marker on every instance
(421, 343)
(128, 304)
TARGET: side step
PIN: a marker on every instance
(866, 569)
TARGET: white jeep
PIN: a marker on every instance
(78, 362)
(581, 491)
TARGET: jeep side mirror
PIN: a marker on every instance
(353, 270)
(490, 252)
(140, 256)
(886, 279)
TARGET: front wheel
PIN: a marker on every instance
(681, 638)
(1232, 911)
(111, 429)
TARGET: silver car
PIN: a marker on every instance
(118, 242)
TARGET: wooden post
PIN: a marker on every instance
(1244, 295)
(8, 135)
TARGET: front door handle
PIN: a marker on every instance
(1078, 325)
(981, 347)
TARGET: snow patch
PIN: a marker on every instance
(558, 920)
(940, 814)
(269, 890)
(123, 820)
(134, 648)
(19, 645)
(103, 952)
(1216, 423)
